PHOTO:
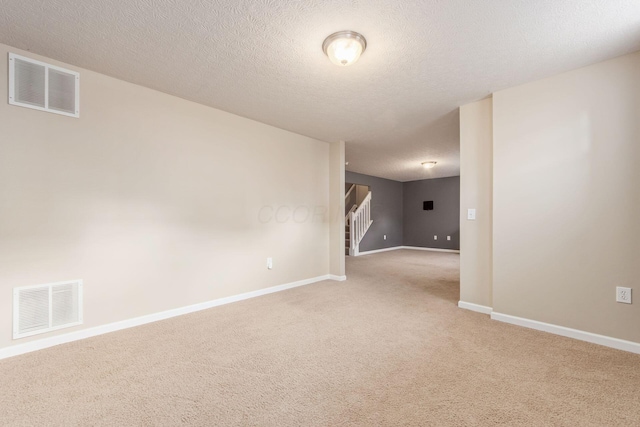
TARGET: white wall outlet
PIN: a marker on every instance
(448, 237)
(471, 214)
(270, 263)
(435, 237)
(623, 295)
(385, 237)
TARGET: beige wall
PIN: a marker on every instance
(476, 152)
(337, 240)
(361, 193)
(145, 197)
(567, 198)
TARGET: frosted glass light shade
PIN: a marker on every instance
(428, 165)
(344, 47)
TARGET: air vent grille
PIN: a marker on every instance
(29, 83)
(62, 91)
(43, 308)
(34, 310)
(41, 86)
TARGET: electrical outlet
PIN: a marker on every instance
(385, 237)
(448, 237)
(435, 237)
(623, 295)
(270, 263)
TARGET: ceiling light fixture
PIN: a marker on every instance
(428, 165)
(344, 47)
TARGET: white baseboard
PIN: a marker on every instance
(418, 248)
(616, 343)
(375, 251)
(475, 307)
(337, 278)
(414, 248)
(43, 343)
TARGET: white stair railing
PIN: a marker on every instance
(347, 218)
(359, 223)
(350, 190)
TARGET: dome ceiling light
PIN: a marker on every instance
(344, 47)
(428, 165)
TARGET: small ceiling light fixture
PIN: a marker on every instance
(428, 165)
(344, 47)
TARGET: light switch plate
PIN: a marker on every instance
(471, 214)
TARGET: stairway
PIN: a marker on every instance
(347, 229)
(347, 240)
(357, 223)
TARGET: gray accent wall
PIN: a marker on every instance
(419, 226)
(396, 210)
(386, 211)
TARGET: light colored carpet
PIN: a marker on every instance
(388, 347)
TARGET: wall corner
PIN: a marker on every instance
(336, 208)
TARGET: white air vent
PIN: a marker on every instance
(44, 308)
(45, 87)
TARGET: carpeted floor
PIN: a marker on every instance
(388, 347)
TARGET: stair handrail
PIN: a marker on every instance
(346, 217)
(350, 190)
(366, 201)
(359, 223)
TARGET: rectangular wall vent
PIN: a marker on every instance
(45, 87)
(44, 308)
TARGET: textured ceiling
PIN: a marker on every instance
(262, 59)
